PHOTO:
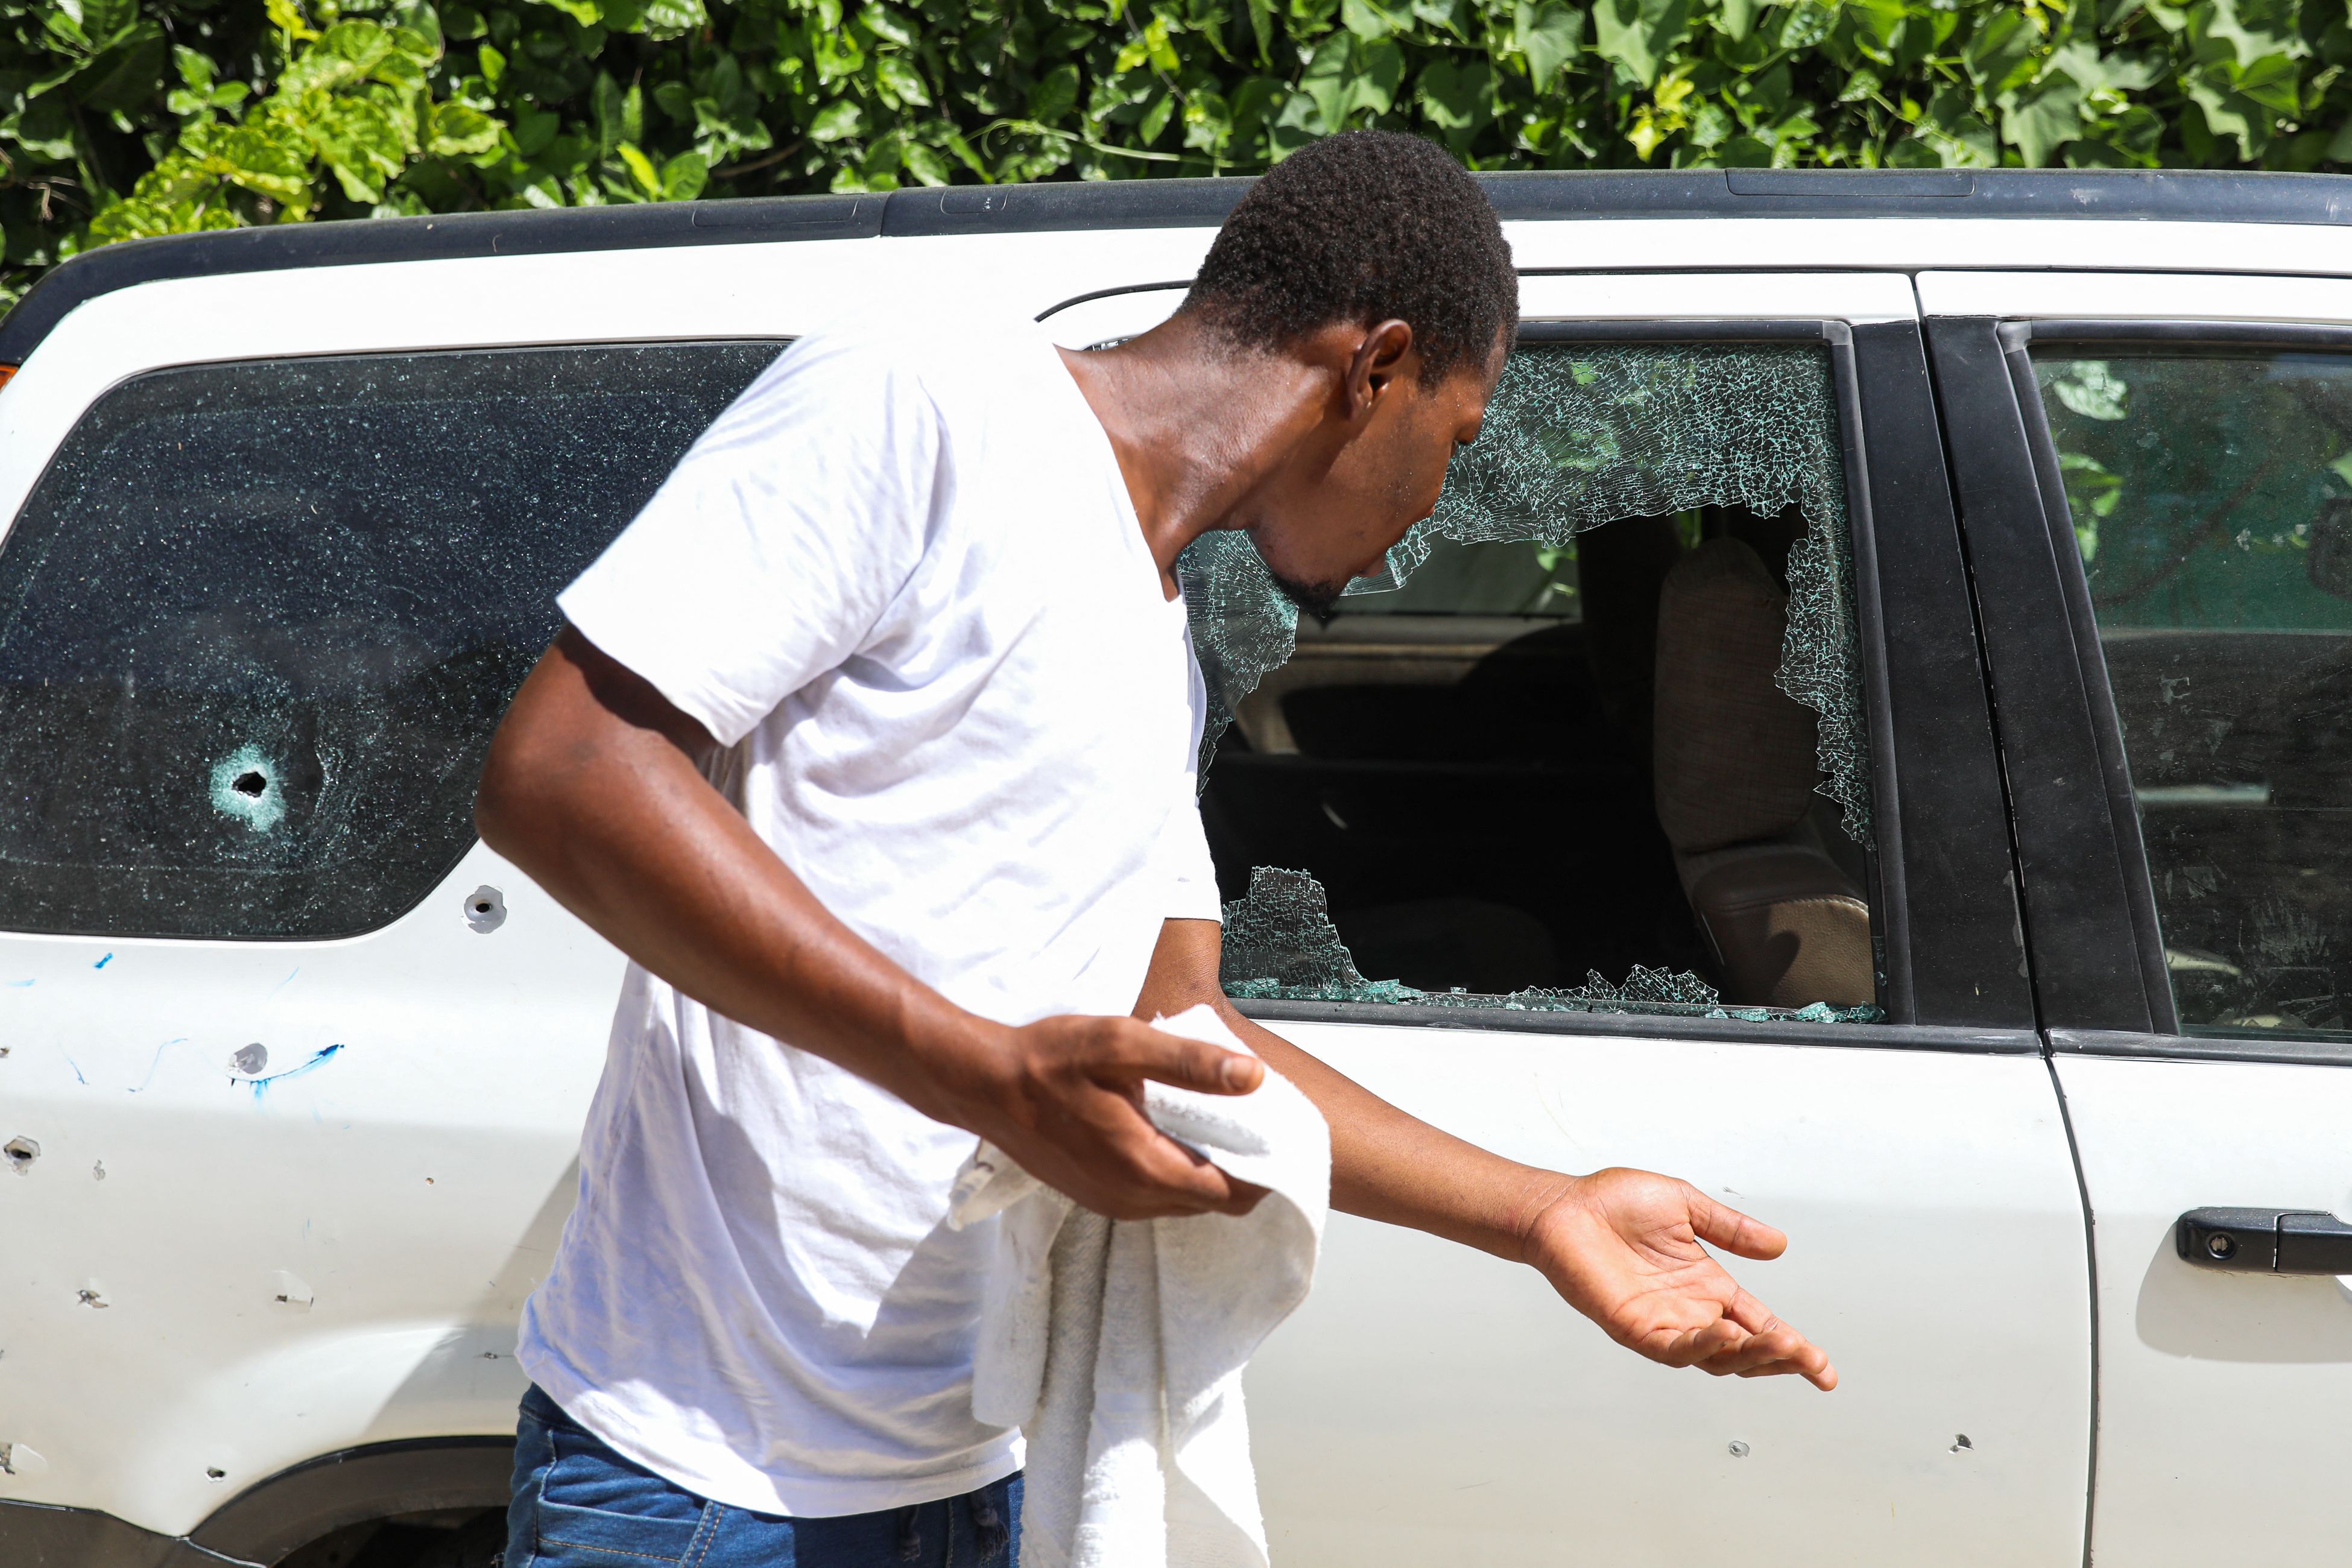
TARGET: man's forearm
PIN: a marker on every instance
(1386, 1164)
(615, 821)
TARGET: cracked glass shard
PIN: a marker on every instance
(1580, 435)
(1280, 945)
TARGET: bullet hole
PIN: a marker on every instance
(21, 1153)
(486, 910)
(251, 1060)
(89, 1296)
(1739, 1449)
(1961, 1443)
(97, 1171)
(246, 787)
(214, 1473)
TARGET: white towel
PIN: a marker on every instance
(1117, 1347)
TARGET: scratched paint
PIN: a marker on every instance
(156, 1065)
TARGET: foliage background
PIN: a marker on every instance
(122, 118)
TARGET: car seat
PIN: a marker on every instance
(1733, 769)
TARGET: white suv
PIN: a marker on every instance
(2012, 510)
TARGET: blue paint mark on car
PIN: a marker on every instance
(318, 1060)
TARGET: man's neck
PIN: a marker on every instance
(1195, 425)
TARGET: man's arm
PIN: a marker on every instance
(594, 788)
(1621, 1247)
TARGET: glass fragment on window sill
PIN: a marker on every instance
(1281, 946)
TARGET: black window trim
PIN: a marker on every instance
(2166, 1039)
(1943, 904)
(2085, 955)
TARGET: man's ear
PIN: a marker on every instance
(1385, 354)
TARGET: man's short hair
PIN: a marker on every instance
(1365, 227)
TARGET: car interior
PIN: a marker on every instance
(1531, 764)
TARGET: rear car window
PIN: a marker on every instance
(259, 620)
(2210, 494)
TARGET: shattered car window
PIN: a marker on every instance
(2210, 494)
(1580, 435)
(258, 621)
(1474, 762)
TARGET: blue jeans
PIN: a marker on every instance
(578, 1504)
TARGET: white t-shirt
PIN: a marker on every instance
(902, 579)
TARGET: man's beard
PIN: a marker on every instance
(1315, 599)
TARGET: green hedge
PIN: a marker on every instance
(120, 118)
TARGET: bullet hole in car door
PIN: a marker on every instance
(1592, 740)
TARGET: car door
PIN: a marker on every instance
(292, 1069)
(2156, 492)
(1436, 1405)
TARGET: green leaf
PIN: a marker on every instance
(666, 19)
(641, 169)
(1999, 54)
(924, 163)
(1155, 119)
(2247, 39)
(128, 75)
(1260, 19)
(1457, 98)
(1052, 98)
(587, 13)
(2042, 118)
(884, 23)
(195, 68)
(1638, 35)
(1549, 35)
(605, 104)
(264, 163)
(836, 122)
(684, 176)
(1806, 24)
(2275, 81)
(459, 130)
(104, 20)
(898, 79)
(1736, 18)
(1367, 19)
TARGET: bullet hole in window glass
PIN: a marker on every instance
(259, 620)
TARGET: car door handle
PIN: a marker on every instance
(2265, 1241)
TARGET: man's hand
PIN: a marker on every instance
(1064, 1098)
(1623, 1246)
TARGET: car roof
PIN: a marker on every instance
(2111, 194)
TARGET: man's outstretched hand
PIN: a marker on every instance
(1623, 1246)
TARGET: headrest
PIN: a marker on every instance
(1732, 754)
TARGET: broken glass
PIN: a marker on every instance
(1280, 945)
(1580, 435)
(2210, 494)
(258, 621)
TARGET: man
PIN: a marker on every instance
(910, 603)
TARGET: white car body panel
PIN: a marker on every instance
(1937, 1253)
(2214, 1385)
